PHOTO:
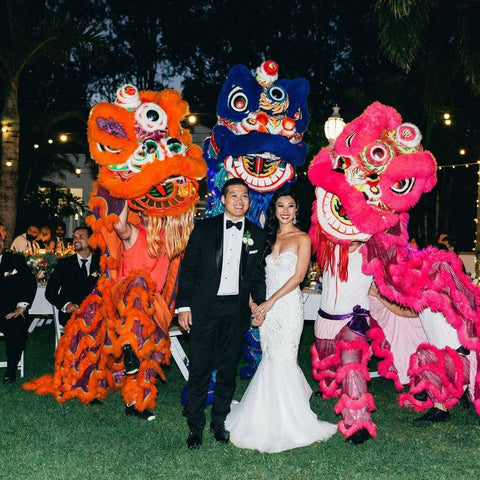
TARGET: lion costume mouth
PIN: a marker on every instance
(334, 220)
(174, 194)
(263, 172)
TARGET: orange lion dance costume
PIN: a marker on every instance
(148, 164)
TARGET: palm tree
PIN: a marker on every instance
(28, 31)
(435, 42)
(413, 31)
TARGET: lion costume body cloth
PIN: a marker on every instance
(374, 173)
(148, 161)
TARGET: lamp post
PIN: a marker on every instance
(334, 126)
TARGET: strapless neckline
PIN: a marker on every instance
(283, 253)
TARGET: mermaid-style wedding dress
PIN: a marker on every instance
(274, 413)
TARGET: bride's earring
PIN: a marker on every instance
(295, 220)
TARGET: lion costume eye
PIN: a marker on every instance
(403, 187)
(151, 117)
(237, 100)
(175, 146)
(277, 94)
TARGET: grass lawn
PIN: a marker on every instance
(42, 439)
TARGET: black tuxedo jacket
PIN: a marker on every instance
(17, 283)
(201, 267)
(68, 284)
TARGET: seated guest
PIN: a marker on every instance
(74, 277)
(27, 241)
(17, 291)
(45, 239)
(60, 229)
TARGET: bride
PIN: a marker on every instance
(274, 413)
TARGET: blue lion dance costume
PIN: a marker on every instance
(258, 138)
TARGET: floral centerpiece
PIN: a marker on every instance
(42, 265)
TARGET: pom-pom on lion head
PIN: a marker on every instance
(144, 154)
(375, 171)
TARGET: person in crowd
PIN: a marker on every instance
(17, 291)
(219, 276)
(27, 242)
(74, 276)
(60, 229)
(274, 414)
(45, 238)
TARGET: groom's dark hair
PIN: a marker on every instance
(232, 181)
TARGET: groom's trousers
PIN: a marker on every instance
(215, 338)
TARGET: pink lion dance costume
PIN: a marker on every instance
(374, 173)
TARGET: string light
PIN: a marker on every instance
(63, 137)
(36, 146)
(462, 151)
(446, 116)
(466, 165)
(8, 163)
(50, 141)
(4, 129)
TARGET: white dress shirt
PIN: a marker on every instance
(232, 251)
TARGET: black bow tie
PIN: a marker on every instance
(231, 224)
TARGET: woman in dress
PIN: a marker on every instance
(274, 414)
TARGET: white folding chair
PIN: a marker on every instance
(178, 353)
(20, 363)
(58, 325)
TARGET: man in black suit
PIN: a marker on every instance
(219, 276)
(17, 291)
(74, 277)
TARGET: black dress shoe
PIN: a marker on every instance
(219, 432)
(130, 360)
(145, 415)
(360, 436)
(434, 415)
(194, 440)
(9, 378)
(421, 396)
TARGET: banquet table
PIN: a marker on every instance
(311, 304)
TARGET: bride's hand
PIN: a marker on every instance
(263, 308)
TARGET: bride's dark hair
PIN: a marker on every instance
(272, 224)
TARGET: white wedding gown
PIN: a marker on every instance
(274, 413)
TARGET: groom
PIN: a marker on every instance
(219, 273)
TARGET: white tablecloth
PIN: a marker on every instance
(40, 305)
(311, 304)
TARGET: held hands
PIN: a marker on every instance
(185, 320)
(18, 312)
(259, 312)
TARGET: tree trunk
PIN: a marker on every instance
(10, 159)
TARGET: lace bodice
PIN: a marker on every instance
(281, 331)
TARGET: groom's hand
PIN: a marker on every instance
(185, 320)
